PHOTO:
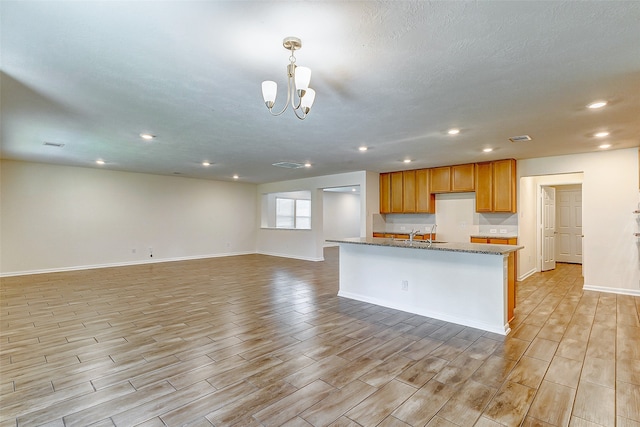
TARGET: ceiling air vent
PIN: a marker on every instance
(288, 165)
(53, 144)
(520, 138)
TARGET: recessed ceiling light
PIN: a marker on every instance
(597, 104)
(453, 131)
(363, 148)
(235, 177)
(407, 160)
(206, 164)
(487, 150)
(605, 146)
(147, 136)
(601, 134)
(100, 162)
(307, 165)
(353, 189)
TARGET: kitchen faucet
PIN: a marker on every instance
(412, 234)
(431, 234)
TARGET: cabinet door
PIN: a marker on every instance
(385, 193)
(425, 199)
(409, 191)
(495, 241)
(503, 241)
(441, 180)
(396, 192)
(484, 187)
(479, 240)
(463, 177)
(504, 186)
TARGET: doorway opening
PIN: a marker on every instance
(545, 227)
(341, 213)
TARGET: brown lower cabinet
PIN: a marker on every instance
(403, 236)
(511, 269)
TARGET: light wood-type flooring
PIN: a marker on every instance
(264, 341)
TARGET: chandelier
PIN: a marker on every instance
(299, 94)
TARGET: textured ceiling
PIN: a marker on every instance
(393, 76)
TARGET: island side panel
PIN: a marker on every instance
(460, 287)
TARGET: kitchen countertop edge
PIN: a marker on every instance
(477, 248)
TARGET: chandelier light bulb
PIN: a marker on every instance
(307, 100)
(269, 91)
(302, 78)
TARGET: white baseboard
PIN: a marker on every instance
(120, 264)
(621, 291)
(527, 274)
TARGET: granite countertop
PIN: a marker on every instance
(478, 248)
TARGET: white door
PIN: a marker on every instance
(548, 228)
(569, 224)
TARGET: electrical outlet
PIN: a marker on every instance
(493, 231)
(405, 285)
(503, 231)
(402, 228)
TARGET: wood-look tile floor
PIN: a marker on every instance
(263, 341)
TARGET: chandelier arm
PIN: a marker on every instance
(286, 105)
(295, 111)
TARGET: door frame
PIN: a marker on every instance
(552, 180)
(547, 229)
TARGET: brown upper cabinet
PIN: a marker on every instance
(484, 191)
(457, 178)
(385, 193)
(425, 199)
(406, 192)
(409, 191)
(396, 192)
(463, 177)
(441, 179)
(414, 191)
(496, 186)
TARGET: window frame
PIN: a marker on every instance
(296, 218)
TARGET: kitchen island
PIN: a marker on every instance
(465, 283)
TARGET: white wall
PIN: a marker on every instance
(57, 217)
(309, 244)
(341, 215)
(611, 260)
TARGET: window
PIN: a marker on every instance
(290, 210)
(293, 213)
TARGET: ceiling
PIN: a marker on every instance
(392, 76)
